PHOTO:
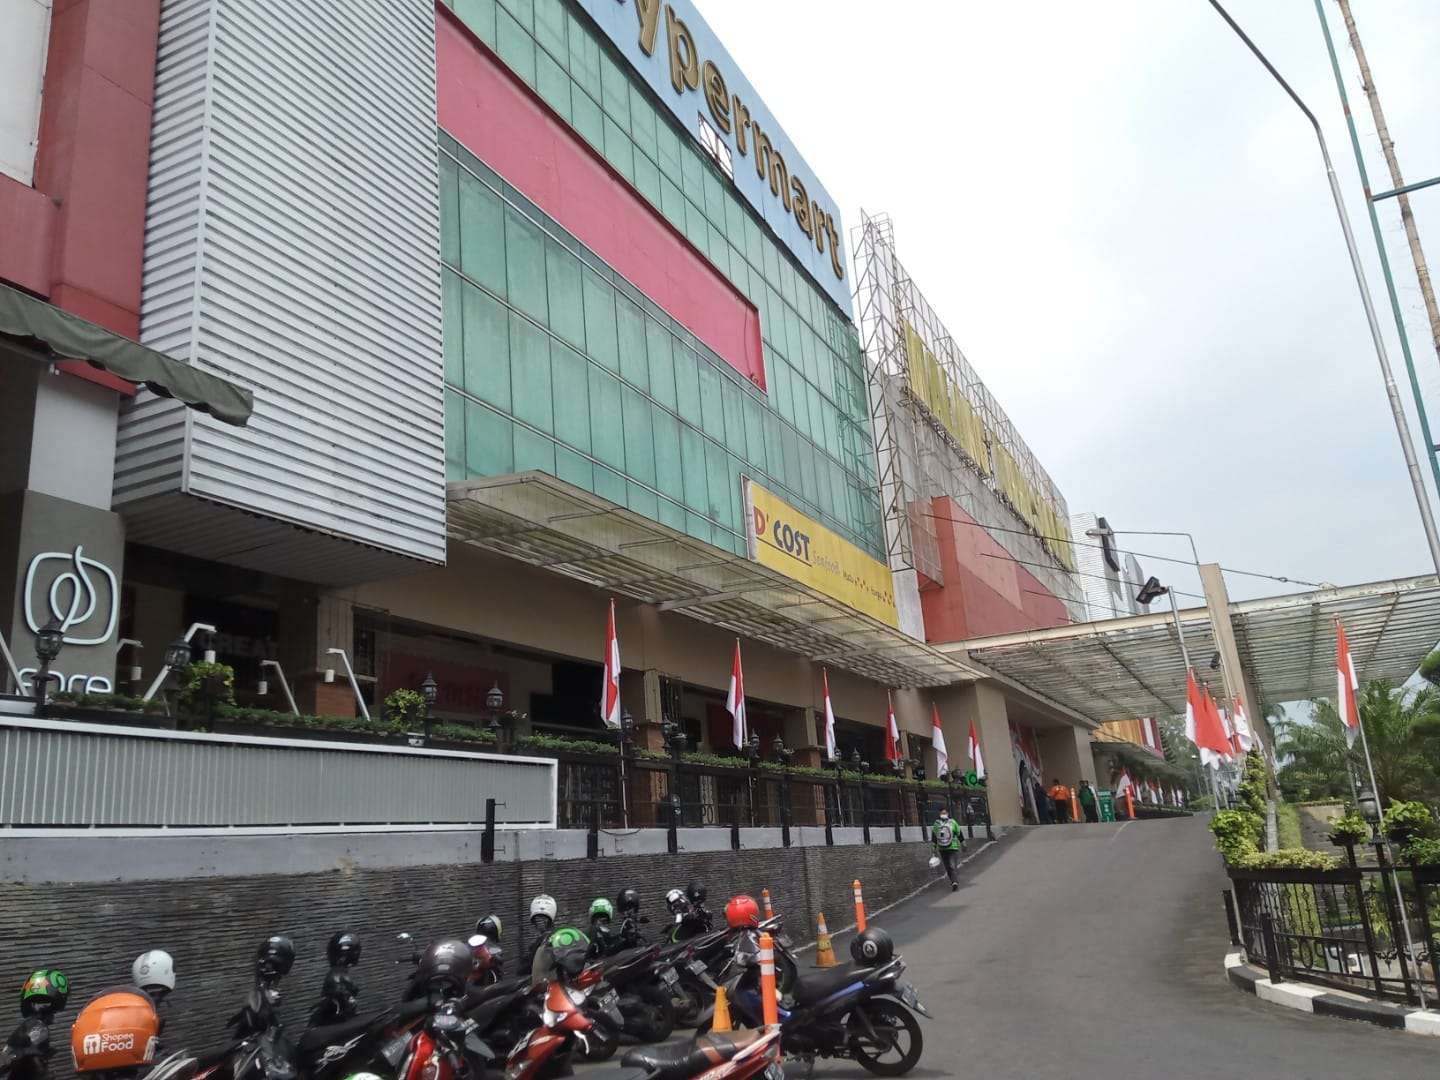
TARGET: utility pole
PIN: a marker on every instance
(1387, 146)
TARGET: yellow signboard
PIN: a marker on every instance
(786, 540)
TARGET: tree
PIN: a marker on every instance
(1181, 752)
(1401, 727)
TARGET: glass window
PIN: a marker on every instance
(567, 306)
(754, 433)
(479, 16)
(647, 179)
(699, 528)
(672, 515)
(669, 476)
(574, 469)
(550, 21)
(615, 91)
(454, 342)
(619, 150)
(449, 211)
(714, 199)
(572, 401)
(515, 46)
(642, 500)
(719, 477)
(672, 202)
(487, 348)
(587, 118)
(585, 61)
(791, 443)
(530, 374)
(692, 174)
(712, 409)
(634, 366)
(523, 10)
(667, 148)
(482, 234)
(610, 485)
(605, 438)
(734, 420)
(454, 437)
(642, 123)
(533, 451)
(600, 339)
(658, 344)
(639, 442)
(687, 384)
(692, 465)
(553, 82)
(488, 449)
(525, 265)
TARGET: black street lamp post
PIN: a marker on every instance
(430, 691)
(494, 702)
(48, 643)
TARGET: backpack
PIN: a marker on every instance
(943, 835)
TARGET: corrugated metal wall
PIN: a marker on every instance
(293, 247)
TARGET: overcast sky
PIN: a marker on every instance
(1126, 226)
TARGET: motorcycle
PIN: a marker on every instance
(27, 1052)
(564, 1023)
(730, 1056)
(446, 1045)
(643, 1002)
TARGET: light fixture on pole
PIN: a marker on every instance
(177, 654)
(429, 690)
(48, 643)
(1369, 808)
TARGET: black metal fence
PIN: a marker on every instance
(1345, 928)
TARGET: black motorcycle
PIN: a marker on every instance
(26, 1053)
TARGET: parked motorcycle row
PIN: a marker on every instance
(580, 996)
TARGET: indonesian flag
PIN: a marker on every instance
(1202, 724)
(735, 701)
(610, 690)
(1345, 686)
(892, 732)
(830, 751)
(1150, 733)
(1243, 732)
(1230, 733)
(974, 753)
(937, 740)
(1124, 784)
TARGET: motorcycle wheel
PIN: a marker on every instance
(900, 1041)
(603, 1043)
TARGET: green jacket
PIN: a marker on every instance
(945, 835)
(1087, 796)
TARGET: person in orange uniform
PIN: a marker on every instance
(1060, 802)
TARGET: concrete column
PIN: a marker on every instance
(1067, 755)
(985, 703)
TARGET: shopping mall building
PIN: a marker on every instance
(457, 320)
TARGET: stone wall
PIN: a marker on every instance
(1315, 821)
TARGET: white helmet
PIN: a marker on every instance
(154, 970)
(544, 904)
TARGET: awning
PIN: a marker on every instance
(1121, 669)
(53, 334)
(537, 519)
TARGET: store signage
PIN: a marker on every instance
(676, 52)
(784, 539)
(83, 596)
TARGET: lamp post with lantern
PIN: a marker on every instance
(48, 643)
(430, 691)
(494, 702)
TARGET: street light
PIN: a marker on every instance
(430, 691)
(48, 643)
(177, 654)
(1370, 808)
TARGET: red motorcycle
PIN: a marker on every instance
(564, 1024)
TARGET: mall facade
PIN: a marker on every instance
(529, 304)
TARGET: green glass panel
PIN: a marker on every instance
(487, 348)
(530, 374)
(699, 528)
(639, 441)
(754, 433)
(615, 92)
(807, 472)
(697, 229)
(791, 442)
(687, 383)
(647, 179)
(550, 19)
(479, 16)
(523, 10)
(533, 451)
(781, 395)
(672, 515)
(800, 403)
(659, 345)
(587, 118)
(692, 465)
(585, 61)
(619, 150)
(667, 148)
(772, 265)
(718, 249)
(634, 366)
(714, 199)
(567, 305)
(515, 46)
(482, 233)
(718, 478)
(734, 419)
(600, 336)
(672, 202)
(642, 500)
(610, 485)
(606, 441)
(830, 434)
(553, 82)
(669, 474)
(712, 409)
(754, 246)
(692, 175)
(572, 396)
(449, 211)
(824, 497)
(642, 123)
(454, 437)
(774, 447)
(454, 341)
(734, 220)
(525, 265)
(488, 445)
(816, 430)
(574, 469)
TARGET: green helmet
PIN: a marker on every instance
(44, 989)
(567, 937)
(600, 908)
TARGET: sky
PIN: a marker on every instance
(1126, 226)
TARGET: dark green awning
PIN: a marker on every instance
(58, 334)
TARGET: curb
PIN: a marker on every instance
(1325, 1002)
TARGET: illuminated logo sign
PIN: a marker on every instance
(72, 596)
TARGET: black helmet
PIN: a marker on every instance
(45, 991)
(447, 963)
(627, 901)
(695, 893)
(343, 950)
(275, 957)
(489, 926)
(872, 947)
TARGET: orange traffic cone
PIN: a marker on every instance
(859, 907)
(722, 1012)
(824, 949)
(769, 999)
(765, 903)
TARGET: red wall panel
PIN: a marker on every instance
(27, 230)
(497, 118)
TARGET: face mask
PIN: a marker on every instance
(944, 815)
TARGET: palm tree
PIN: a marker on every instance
(1399, 725)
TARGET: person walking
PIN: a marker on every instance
(1060, 801)
(1089, 804)
(945, 839)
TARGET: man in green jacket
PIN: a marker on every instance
(945, 840)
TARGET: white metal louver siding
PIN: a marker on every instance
(293, 247)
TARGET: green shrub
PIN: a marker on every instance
(1430, 668)
(1251, 789)
(1238, 834)
(205, 686)
(404, 710)
(1406, 819)
(561, 743)
(1288, 859)
(1350, 827)
(121, 702)
(1421, 852)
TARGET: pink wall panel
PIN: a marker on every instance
(497, 118)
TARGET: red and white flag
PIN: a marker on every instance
(892, 731)
(1243, 732)
(1231, 734)
(974, 753)
(830, 752)
(937, 740)
(1203, 726)
(1124, 783)
(610, 690)
(735, 701)
(1346, 685)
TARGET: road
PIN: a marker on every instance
(1097, 951)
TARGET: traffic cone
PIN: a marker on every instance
(769, 999)
(765, 903)
(1074, 806)
(824, 949)
(722, 1012)
(859, 907)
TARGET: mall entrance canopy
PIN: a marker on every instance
(1127, 668)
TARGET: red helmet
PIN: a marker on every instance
(742, 911)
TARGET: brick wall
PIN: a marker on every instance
(93, 931)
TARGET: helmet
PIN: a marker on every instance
(44, 991)
(118, 1030)
(343, 950)
(695, 893)
(600, 908)
(153, 970)
(675, 900)
(481, 949)
(544, 904)
(448, 963)
(490, 927)
(275, 956)
(742, 911)
(567, 937)
(628, 900)
(872, 947)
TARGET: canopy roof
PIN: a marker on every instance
(537, 519)
(49, 333)
(1125, 668)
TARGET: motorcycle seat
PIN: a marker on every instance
(810, 988)
(475, 996)
(680, 1062)
(318, 1038)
